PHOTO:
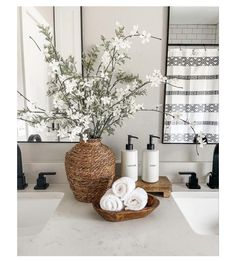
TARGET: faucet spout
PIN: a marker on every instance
(21, 182)
(214, 175)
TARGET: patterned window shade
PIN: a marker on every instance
(197, 72)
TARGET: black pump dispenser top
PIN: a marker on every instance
(151, 146)
(130, 146)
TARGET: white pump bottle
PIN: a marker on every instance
(129, 160)
(150, 164)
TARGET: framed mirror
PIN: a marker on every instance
(193, 60)
(65, 23)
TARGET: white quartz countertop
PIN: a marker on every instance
(75, 229)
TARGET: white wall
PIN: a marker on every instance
(146, 58)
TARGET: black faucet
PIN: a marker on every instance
(21, 182)
(193, 180)
(214, 175)
(41, 180)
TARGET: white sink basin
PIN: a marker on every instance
(201, 210)
(34, 210)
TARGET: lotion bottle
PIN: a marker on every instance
(150, 164)
(129, 160)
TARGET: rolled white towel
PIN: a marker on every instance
(122, 187)
(136, 200)
(111, 202)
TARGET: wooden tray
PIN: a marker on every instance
(163, 186)
(115, 216)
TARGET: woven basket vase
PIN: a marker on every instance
(90, 169)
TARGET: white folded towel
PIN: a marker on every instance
(111, 202)
(136, 200)
(122, 187)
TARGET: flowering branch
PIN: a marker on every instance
(86, 106)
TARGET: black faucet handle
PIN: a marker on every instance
(193, 180)
(41, 180)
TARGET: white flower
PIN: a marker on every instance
(106, 100)
(145, 37)
(116, 111)
(55, 67)
(139, 107)
(120, 92)
(106, 58)
(134, 85)
(58, 102)
(177, 115)
(80, 93)
(89, 101)
(77, 130)
(174, 81)
(70, 85)
(192, 124)
(62, 133)
(201, 139)
(85, 137)
(85, 121)
(105, 76)
(62, 78)
(156, 78)
(134, 30)
(121, 44)
(88, 83)
(119, 25)
(45, 52)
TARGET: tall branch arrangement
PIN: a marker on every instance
(86, 106)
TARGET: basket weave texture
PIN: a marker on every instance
(90, 170)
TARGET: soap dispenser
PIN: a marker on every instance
(150, 164)
(129, 160)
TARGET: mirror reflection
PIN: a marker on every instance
(193, 59)
(33, 71)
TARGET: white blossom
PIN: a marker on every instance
(106, 100)
(120, 92)
(116, 111)
(105, 76)
(62, 133)
(88, 83)
(174, 81)
(121, 43)
(58, 102)
(70, 85)
(85, 121)
(139, 107)
(55, 68)
(134, 30)
(156, 78)
(119, 25)
(201, 138)
(145, 37)
(106, 58)
(90, 100)
(177, 115)
(134, 85)
(45, 52)
(85, 137)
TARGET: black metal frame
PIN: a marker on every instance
(164, 103)
(82, 69)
